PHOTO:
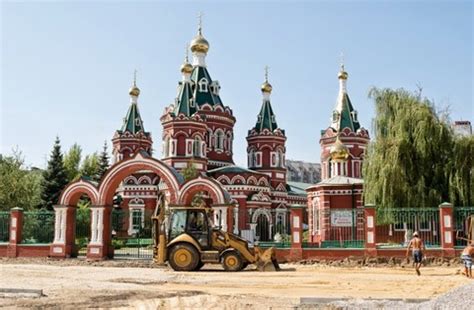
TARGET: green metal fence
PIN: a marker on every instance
(462, 224)
(132, 233)
(278, 245)
(4, 226)
(395, 226)
(38, 227)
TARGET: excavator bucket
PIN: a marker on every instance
(266, 259)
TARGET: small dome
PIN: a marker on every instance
(186, 67)
(338, 150)
(267, 87)
(134, 91)
(342, 75)
(199, 44)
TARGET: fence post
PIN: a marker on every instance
(64, 231)
(446, 228)
(16, 227)
(296, 224)
(370, 231)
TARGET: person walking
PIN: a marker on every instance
(466, 256)
(418, 246)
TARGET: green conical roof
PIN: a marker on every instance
(266, 118)
(184, 101)
(346, 114)
(133, 122)
(203, 97)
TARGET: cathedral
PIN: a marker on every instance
(198, 132)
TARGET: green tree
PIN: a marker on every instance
(461, 168)
(91, 167)
(19, 187)
(54, 177)
(72, 161)
(406, 163)
(189, 172)
(103, 161)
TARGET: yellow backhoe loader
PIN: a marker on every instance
(189, 241)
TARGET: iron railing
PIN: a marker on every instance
(38, 227)
(4, 226)
(463, 223)
(396, 226)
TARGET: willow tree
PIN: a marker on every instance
(407, 163)
(461, 172)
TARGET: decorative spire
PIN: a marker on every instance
(199, 45)
(266, 87)
(134, 91)
(186, 67)
(342, 73)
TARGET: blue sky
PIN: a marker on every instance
(66, 66)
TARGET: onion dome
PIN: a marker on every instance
(338, 150)
(134, 90)
(266, 87)
(199, 44)
(342, 74)
(186, 67)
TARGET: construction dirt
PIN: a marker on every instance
(78, 284)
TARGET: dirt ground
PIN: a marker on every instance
(81, 285)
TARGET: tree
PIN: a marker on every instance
(19, 187)
(190, 172)
(461, 167)
(54, 177)
(406, 163)
(72, 161)
(90, 167)
(103, 161)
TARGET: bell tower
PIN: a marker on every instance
(266, 142)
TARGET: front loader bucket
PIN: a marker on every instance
(266, 259)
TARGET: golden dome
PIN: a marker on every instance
(199, 44)
(186, 67)
(342, 75)
(134, 91)
(338, 150)
(267, 87)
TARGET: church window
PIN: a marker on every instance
(251, 158)
(191, 103)
(354, 116)
(137, 122)
(273, 119)
(166, 147)
(219, 140)
(203, 84)
(335, 116)
(197, 147)
(137, 219)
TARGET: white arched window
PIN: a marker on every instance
(166, 147)
(203, 85)
(197, 147)
(219, 140)
(251, 158)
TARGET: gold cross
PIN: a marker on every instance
(342, 61)
(266, 73)
(135, 77)
(200, 22)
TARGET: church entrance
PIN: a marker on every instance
(261, 230)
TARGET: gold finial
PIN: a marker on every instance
(266, 87)
(338, 150)
(134, 90)
(342, 73)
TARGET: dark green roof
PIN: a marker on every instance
(234, 169)
(133, 122)
(184, 101)
(344, 108)
(297, 188)
(203, 97)
(266, 118)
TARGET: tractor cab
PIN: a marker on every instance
(193, 222)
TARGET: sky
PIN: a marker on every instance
(66, 67)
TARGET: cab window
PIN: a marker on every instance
(178, 222)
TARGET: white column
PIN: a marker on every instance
(97, 225)
(236, 221)
(60, 220)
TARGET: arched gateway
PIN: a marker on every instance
(101, 197)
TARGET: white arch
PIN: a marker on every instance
(130, 177)
(144, 177)
(224, 178)
(252, 179)
(264, 212)
(264, 180)
(79, 186)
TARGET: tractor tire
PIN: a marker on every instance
(183, 257)
(232, 261)
(199, 266)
